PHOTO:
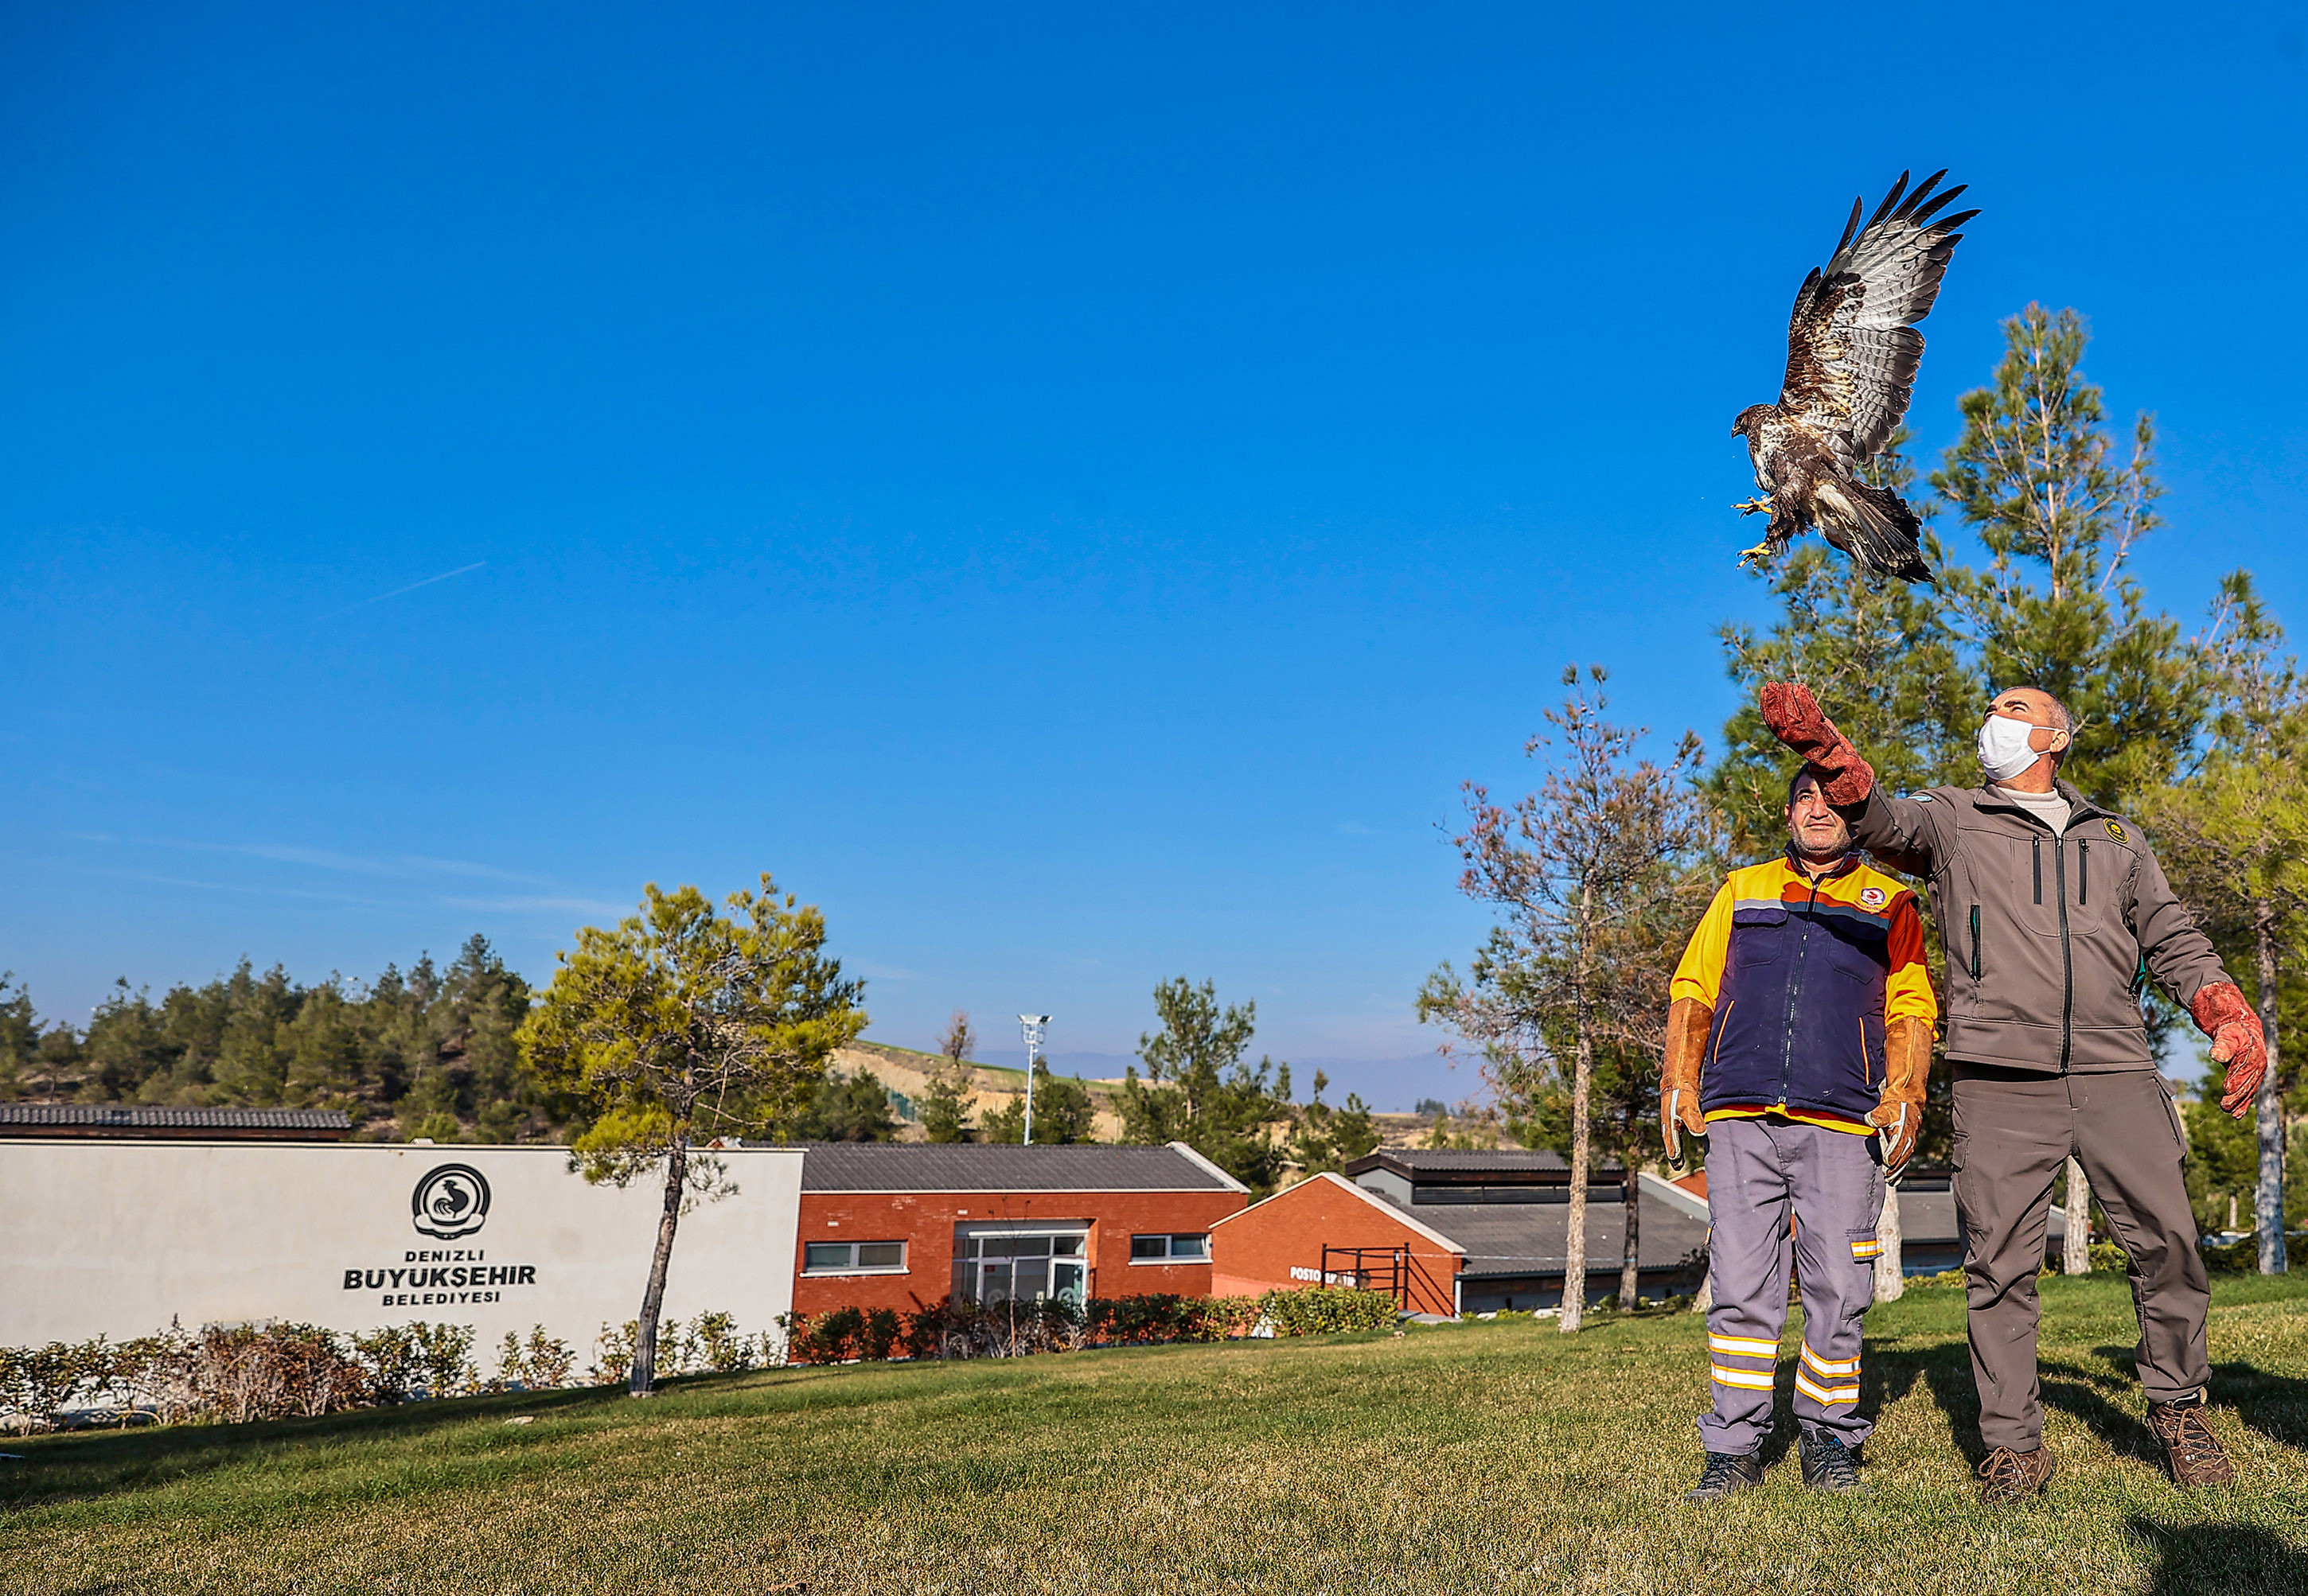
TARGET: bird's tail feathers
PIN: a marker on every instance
(1887, 538)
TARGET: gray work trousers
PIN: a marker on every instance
(2013, 1131)
(1759, 1173)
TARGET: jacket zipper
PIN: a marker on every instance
(2037, 843)
(1715, 1037)
(2083, 870)
(2067, 962)
(1975, 941)
(1795, 995)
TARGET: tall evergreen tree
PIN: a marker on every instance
(945, 1102)
(1327, 1138)
(2036, 476)
(1063, 1112)
(1200, 1090)
(20, 1038)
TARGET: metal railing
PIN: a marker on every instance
(1391, 1273)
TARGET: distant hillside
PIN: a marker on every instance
(908, 1072)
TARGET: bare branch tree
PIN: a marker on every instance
(1579, 869)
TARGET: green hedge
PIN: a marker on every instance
(949, 1329)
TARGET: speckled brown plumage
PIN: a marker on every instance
(1852, 355)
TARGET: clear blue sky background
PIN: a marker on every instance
(1071, 489)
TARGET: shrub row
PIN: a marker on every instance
(231, 1374)
(951, 1329)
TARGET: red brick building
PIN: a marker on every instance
(905, 1224)
(1328, 1230)
(1452, 1231)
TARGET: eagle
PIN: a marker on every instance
(1852, 354)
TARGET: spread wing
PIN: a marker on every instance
(1852, 344)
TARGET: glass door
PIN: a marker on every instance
(995, 1264)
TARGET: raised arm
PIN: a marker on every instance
(1899, 831)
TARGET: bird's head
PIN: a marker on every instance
(1744, 425)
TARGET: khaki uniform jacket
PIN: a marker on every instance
(2048, 939)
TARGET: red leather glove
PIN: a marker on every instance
(1797, 720)
(2221, 1014)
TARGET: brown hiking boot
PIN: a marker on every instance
(2014, 1476)
(2197, 1456)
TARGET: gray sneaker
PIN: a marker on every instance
(1828, 1464)
(1727, 1474)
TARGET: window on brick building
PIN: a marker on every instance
(854, 1257)
(1190, 1249)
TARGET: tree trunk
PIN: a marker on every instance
(1631, 1247)
(2268, 1107)
(1890, 1278)
(1582, 1076)
(2075, 1248)
(676, 1176)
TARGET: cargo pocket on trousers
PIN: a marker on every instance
(2172, 1108)
(1865, 1248)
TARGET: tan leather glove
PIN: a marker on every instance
(1907, 1066)
(1688, 1023)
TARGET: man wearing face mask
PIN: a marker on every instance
(2052, 913)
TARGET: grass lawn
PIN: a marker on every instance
(1466, 1458)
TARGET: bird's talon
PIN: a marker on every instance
(1754, 507)
(1756, 555)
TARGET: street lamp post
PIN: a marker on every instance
(1032, 1025)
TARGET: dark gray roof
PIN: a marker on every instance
(973, 1166)
(1464, 1164)
(1523, 1238)
(118, 1116)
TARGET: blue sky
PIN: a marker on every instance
(1072, 491)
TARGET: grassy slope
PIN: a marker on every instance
(1476, 1458)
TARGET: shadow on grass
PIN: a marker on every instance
(2276, 1405)
(88, 1463)
(2230, 1559)
(2105, 1397)
(1889, 1373)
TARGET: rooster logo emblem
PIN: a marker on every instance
(450, 1202)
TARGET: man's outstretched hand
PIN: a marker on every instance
(1797, 720)
(2221, 1014)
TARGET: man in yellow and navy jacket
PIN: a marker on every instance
(1801, 1032)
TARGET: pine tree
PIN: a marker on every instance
(1199, 1089)
(2034, 475)
(945, 1102)
(1326, 1139)
(1063, 1112)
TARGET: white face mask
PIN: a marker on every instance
(2003, 749)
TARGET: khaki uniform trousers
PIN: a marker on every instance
(2013, 1132)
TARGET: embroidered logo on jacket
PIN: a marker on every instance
(1871, 897)
(2115, 831)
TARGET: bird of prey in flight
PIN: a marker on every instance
(1852, 353)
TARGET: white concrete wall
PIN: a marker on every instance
(117, 1238)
